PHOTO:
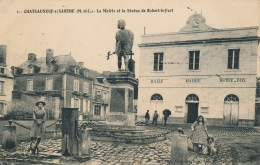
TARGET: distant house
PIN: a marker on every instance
(6, 83)
(59, 80)
(101, 98)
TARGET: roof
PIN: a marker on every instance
(196, 29)
(59, 64)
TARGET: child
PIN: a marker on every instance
(199, 135)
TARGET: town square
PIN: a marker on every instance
(167, 82)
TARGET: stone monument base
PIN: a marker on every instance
(121, 110)
(121, 119)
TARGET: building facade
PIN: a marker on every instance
(58, 80)
(6, 83)
(200, 70)
(101, 99)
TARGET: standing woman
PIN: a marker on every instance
(38, 128)
(199, 135)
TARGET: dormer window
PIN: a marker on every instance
(76, 70)
(31, 69)
(16, 70)
(85, 73)
(2, 70)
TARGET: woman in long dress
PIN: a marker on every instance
(199, 135)
(38, 128)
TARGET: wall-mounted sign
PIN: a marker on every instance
(193, 80)
(156, 81)
(232, 80)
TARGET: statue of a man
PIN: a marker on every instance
(124, 44)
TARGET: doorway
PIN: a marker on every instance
(231, 110)
(192, 102)
(192, 112)
(156, 103)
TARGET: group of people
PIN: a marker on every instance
(155, 117)
(199, 136)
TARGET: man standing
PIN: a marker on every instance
(166, 114)
(155, 117)
(147, 117)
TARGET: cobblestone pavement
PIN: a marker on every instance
(121, 153)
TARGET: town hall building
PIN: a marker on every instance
(200, 70)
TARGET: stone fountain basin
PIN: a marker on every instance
(127, 134)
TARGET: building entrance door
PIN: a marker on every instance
(231, 113)
(192, 112)
(231, 109)
(192, 102)
(156, 103)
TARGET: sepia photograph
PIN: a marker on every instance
(119, 82)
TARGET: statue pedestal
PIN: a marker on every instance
(122, 98)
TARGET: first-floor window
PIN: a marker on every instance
(85, 87)
(76, 85)
(76, 103)
(29, 84)
(2, 87)
(2, 108)
(233, 58)
(49, 82)
(158, 62)
(86, 105)
(194, 60)
(97, 110)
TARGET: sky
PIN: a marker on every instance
(89, 36)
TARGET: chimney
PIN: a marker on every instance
(81, 64)
(31, 57)
(3, 54)
(49, 55)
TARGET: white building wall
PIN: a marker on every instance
(173, 83)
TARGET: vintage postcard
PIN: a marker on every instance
(129, 82)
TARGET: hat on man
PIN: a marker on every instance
(43, 103)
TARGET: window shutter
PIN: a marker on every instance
(80, 105)
(190, 60)
(230, 58)
(161, 62)
(74, 85)
(197, 60)
(155, 68)
(236, 62)
(84, 105)
(72, 102)
(88, 110)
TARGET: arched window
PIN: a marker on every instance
(156, 97)
(192, 98)
(231, 98)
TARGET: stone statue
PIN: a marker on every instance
(124, 44)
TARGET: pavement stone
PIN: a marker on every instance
(120, 153)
